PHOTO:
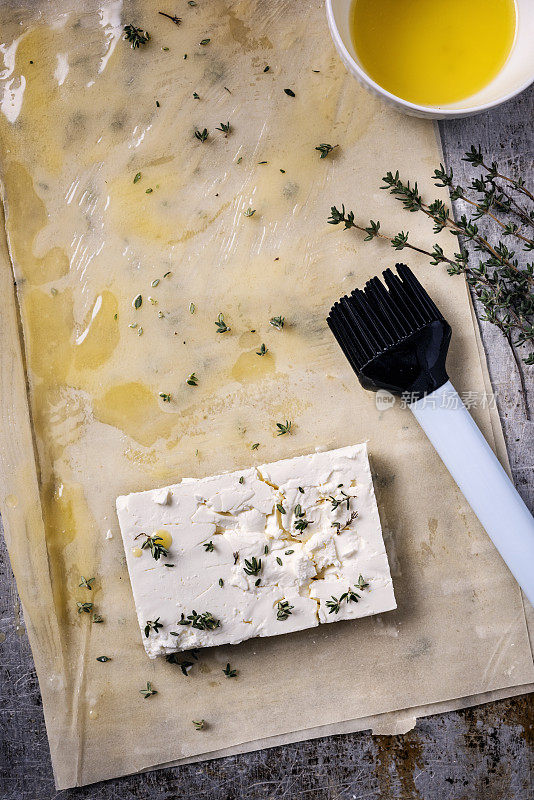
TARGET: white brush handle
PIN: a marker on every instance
(482, 480)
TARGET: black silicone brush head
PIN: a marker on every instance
(394, 336)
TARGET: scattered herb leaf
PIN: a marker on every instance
(277, 322)
(324, 149)
(221, 325)
(149, 691)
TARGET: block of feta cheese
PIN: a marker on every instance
(258, 552)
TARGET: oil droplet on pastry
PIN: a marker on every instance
(134, 409)
(26, 217)
(252, 367)
(48, 318)
(137, 552)
(12, 501)
(98, 340)
(165, 537)
(93, 710)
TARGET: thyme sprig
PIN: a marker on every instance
(229, 672)
(334, 604)
(301, 523)
(176, 20)
(136, 36)
(149, 691)
(338, 501)
(224, 127)
(283, 610)
(201, 135)
(221, 325)
(339, 527)
(184, 664)
(284, 427)
(252, 567)
(202, 622)
(152, 543)
(325, 149)
(154, 625)
(86, 582)
(500, 280)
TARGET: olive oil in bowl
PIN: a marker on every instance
(433, 52)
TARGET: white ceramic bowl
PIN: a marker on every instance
(514, 77)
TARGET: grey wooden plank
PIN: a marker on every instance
(486, 753)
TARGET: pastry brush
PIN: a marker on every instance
(396, 339)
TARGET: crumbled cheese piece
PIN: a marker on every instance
(239, 560)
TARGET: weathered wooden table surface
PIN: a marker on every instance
(486, 753)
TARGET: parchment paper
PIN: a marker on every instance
(83, 113)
